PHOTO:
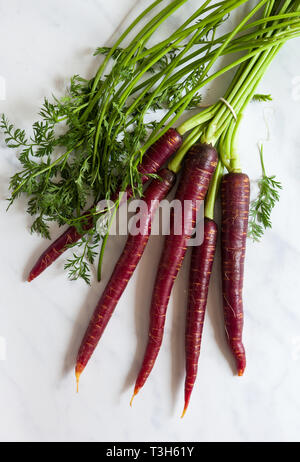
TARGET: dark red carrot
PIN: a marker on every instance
(153, 160)
(70, 236)
(200, 271)
(132, 253)
(155, 157)
(235, 196)
(198, 168)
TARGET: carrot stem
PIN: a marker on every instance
(213, 192)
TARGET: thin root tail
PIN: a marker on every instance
(185, 409)
(78, 372)
(183, 413)
(136, 390)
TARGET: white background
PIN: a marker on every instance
(41, 45)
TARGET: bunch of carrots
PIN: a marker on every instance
(198, 151)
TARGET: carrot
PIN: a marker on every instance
(198, 168)
(155, 157)
(200, 271)
(60, 245)
(123, 270)
(235, 192)
(153, 160)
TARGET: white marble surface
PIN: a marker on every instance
(41, 45)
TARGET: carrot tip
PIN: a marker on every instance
(77, 381)
(136, 390)
(184, 411)
(78, 372)
(241, 372)
(30, 278)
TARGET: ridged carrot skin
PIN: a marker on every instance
(198, 168)
(200, 272)
(235, 197)
(155, 157)
(131, 255)
(153, 160)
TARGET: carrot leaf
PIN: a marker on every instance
(262, 98)
(262, 207)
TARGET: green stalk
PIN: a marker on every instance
(231, 5)
(140, 97)
(141, 38)
(120, 40)
(224, 150)
(213, 192)
(239, 97)
(237, 45)
(234, 159)
(181, 32)
(228, 147)
(180, 107)
(146, 35)
(192, 122)
(176, 161)
(144, 31)
(215, 17)
(155, 92)
(193, 137)
(235, 164)
(260, 64)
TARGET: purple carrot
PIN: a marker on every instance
(199, 166)
(200, 271)
(235, 196)
(132, 253)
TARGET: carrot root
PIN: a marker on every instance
(124, 268)
(199, 166)
(184, 410)
(78, 372)
(136, 390)
(200, 273)
(235, 196)
(241, 372)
